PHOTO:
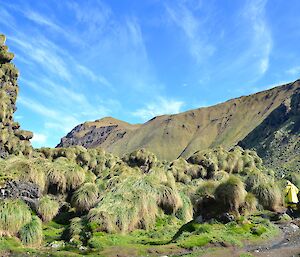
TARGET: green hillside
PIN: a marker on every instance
(172, 136)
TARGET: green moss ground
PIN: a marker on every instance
(168, 237)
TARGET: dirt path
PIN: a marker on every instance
(287, 244)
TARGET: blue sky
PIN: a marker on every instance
(132, 59)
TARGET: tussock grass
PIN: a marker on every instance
(133, 200)
(85, 197)
(185, 213)
(63, 175)
(268, 195)
(79, 231)
(231, 194)
(185, 172)
(141, 158)
(74, 174)
(47, 208)
(32, 233)
(13, 215)
(169, 199)
(264, 188)
(56, 180)
(124, 213)
(207, 188)
(255, 178)
(250, 204)
(25, 169)
(221, 175)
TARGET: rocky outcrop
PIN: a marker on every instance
(93, 136)
(27, 191)
(13, 140)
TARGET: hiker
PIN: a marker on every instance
(291, 196)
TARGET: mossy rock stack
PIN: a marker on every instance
(13, 140)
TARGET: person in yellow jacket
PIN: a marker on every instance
(291, 195)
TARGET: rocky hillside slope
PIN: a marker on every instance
(277, 138)
(172, 136)
(13, 140)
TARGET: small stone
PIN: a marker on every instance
(294, 227)
(82, 248)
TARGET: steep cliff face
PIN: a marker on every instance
(277, 138)
(180, 135)
(13, 140)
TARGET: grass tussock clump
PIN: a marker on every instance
(56, 180)
(254, 178)
(32, 233)
(249, 205)
(265, 189)
(13, 215)
(185, 213)
(78, 231)
(268, 195)
(63, 175)
(47, 208)
(24, 169)
(169, 199)
(231, 194)
(124, 213)
(85, 197)
(134, 200)
(234, 161)
(185, 172)
(141, 158)
(74, 174)
(206, 188)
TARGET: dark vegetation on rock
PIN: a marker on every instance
(12, 139)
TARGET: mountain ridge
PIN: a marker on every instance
(180, 135)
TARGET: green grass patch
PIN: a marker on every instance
(197, 235)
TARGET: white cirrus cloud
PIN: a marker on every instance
(261, 35)
(193, 29)
(159, 107)
(294, 70)
(39, 139)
